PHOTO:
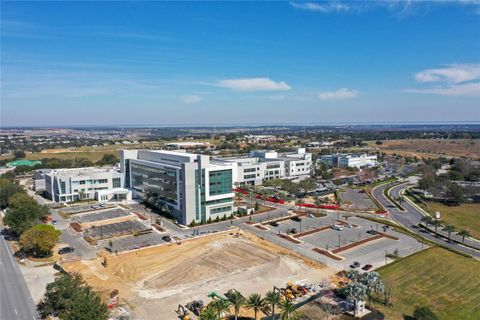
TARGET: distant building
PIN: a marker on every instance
(66, 185)
(187, 145)
(316, 144)
(193, 186)
(350, 160)
(264, 138)
(267, 164)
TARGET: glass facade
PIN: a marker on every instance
(159, 181)
(116, 182)
(220, 182)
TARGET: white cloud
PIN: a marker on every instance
(340, 94)
(327, 7)
(471, 89)
(452, 74)
(453, 80)
(254, 84)
(191, 99)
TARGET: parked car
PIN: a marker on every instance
(94, 207)
(311, 216)
(355, 265)
(66, 250)
(102, 205)
(274, 224)
(348, 225)
(296, 218)
(293, 230)
(367, 267)
(167, 238)
(336, 227)
(371, 232)
(54, 222)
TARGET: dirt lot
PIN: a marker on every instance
(154, 281)
(431, 148)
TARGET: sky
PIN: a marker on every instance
(221, 63)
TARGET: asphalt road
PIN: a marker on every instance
(412, 217)
(16, 303)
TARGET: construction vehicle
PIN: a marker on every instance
(231, 292)
(182, 313)
(196, 306)
(285, 293)
(296, 291)
(214, 295)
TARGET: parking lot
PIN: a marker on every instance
(100, 215)
(79, 208)
(134, 242)
(115, 229)
(372, 251)
(357, 199)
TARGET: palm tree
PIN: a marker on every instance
(237, 301)
(318, 203)
(464, 233)
(208, 314)
(298, 202)
(427, 220)
(221, 307)
(450, 228)
(256, 303)
(436, 223)
(288, 310)
(273, 299)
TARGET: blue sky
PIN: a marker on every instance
(159, 63)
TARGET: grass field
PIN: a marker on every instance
(447, 282)
(92, 156)
(430, 148)
(466, 216)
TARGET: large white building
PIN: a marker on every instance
(350, 160)
(266, 164)
(193, 186)
(66, 185)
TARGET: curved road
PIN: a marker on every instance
(412, 216)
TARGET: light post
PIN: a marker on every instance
(339, 241)
(386, 257)
(300, 225)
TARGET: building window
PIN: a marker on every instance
(116, 182)
(220, 182)
(62, 187)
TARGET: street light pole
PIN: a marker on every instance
(339, 241)
(386, 257)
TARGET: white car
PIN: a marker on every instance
(337, 227)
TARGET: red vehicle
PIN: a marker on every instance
(367, 267)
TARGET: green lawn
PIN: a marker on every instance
(466, 216)
(447, 282)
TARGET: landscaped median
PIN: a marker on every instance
(386, 193)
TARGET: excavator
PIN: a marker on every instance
(196, 306)
(182, 313)
(214, 295)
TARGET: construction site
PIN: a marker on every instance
(153, 282)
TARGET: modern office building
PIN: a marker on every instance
(194, 187)
(264, 165)
(66, 185)
(350, 160)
